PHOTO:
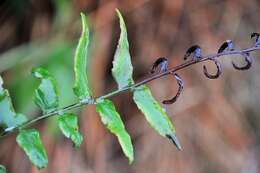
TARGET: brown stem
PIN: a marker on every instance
(116, 92)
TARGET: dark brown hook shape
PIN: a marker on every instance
(161, 63)
(218, 73)
(248, 60)
(180, 89)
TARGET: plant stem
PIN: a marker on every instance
(116, 92)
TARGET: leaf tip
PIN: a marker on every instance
(121, 19)
(83, 16)
(83, 21)
(77, 140)
(42, 167)
(118, 12)
(174, 140)
(130, 155)
(130, 160)
(40, 72)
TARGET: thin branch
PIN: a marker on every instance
(116, 92)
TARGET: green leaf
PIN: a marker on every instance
(8, 117)
(122, 70)
(111, 119)
(154, 114)
(68, 124)
(30, 142)
(81, 86)
(2, 169)
(1, 83)
(46, 94)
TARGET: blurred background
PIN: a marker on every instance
(217, 121)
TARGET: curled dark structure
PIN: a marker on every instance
(195, 52)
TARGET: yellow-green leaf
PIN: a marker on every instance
(68, 123)
(122, 70)
(111, 119)
(30, 142)
(154, 114)
(46, 96)
(8, 117)
(81, 86)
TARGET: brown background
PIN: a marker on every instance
(217, 121)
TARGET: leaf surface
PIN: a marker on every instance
(81, 86)
(2, 169)
(46, 96)
(122, 70)
(8, 117)
(68, 123)
(111, 119)
(30, 142)
(155, 114)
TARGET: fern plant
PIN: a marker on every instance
(46, 97)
